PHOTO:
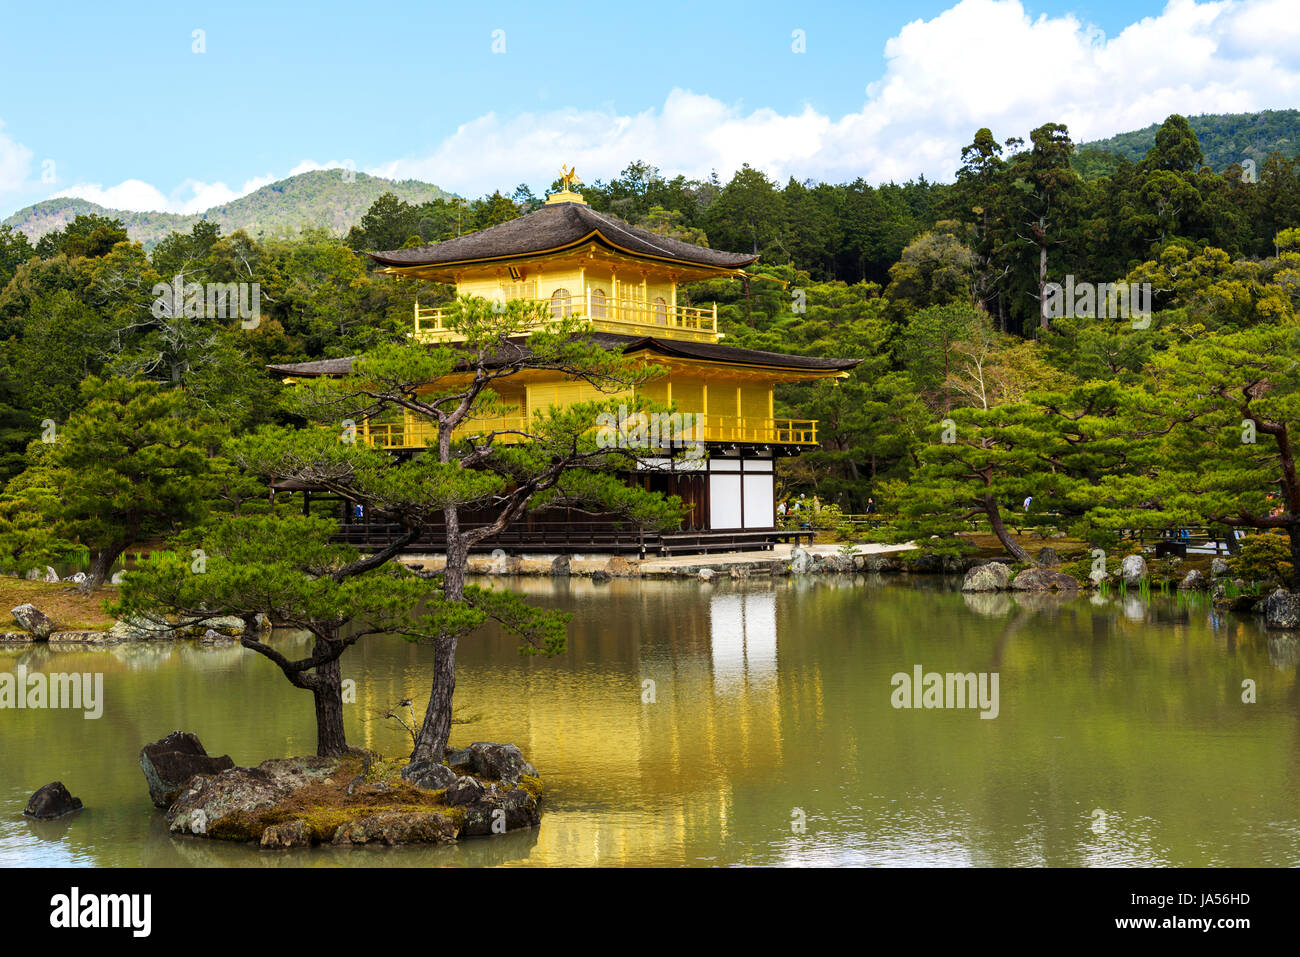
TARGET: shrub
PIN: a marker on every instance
(1265, 557)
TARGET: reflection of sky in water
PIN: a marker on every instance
(771, 696)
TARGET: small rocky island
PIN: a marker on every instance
(359, 798)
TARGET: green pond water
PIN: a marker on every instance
(1121, 735)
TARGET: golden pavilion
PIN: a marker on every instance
(624, 281)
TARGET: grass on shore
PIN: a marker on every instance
(70, 610)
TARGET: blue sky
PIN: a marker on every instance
(114, 105)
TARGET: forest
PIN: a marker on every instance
(970, 399)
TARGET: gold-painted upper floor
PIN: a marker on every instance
(636, 316)
(411, 433)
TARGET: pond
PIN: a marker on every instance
(747, 723)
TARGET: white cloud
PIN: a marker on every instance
(308, 166)
(979, 63)
(191, 196)
(15, 163)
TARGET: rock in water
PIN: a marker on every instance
(1134, 569)
(52, 801)
(32, 620)
(169, 763)
(1043, 579)
(994, 576)
(1282, 610)
(293, 834)
(506, 810)
(560, 566)
(139, 628)
(801, 562)
(1194, 581)
(600, 576)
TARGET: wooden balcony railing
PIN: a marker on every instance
(704, 428)
(628, 316)
(418, 435)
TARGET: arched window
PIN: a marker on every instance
(598, 304)
(561, 303)
(661, 311)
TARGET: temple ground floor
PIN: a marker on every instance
(730, 494)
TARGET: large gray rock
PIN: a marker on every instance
(560, 566)
(706, 574)
(232, 799)
(1043, 579)
(1218, 567)
(1193, 581)
(392, 828)
(512, 809)
(51, 576)
(464, 791)
(139, 628)
(1134, 569)
(878, 564)
(1047, 557)
(51, 801)
(994, 576)
(841, 564)
(292, 834)
(459, 759)
(429, 775)
(801, 561)
(229, 625)
(210, 798)
(499, 762)
(1282, 610)
(168, 765)
(33, 620)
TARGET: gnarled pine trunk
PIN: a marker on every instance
(431, 742)
(100, 567)
(1010, 544)
(327, 690)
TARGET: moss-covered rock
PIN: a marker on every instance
(357, 799)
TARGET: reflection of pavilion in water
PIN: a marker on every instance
(658, 775)
(742, 632)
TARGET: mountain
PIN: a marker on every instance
(1226, 138)
(319, 198)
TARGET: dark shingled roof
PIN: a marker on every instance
(556, 227)
(678, 348)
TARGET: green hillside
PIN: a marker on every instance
(1226, 138)
(321, 198)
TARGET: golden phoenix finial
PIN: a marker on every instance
(569, 177)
